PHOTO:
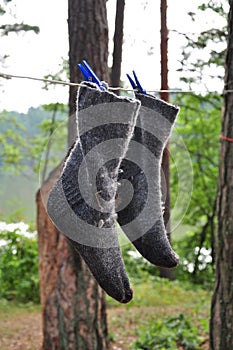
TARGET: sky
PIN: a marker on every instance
(38, 55)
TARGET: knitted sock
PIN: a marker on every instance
(140, 210)
(82, 202)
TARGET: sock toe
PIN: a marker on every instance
(107, 267)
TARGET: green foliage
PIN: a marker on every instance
(3, 7)
(156, 291)
(205, 52)
(24, 138)
(31, 144)
(62, 74)
(199, 126)
(190, 255)
(55, 107)
(169, 333)
(199, 122)
(19, 279)
(10, 139)
(138, 268)
(5, 29)
(215, 6)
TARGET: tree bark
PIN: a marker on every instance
(221, 323)
(118, 43)
(165, 184)
(88, 40)
(73, 306)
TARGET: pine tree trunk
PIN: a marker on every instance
(73, 306)
(118, 42)
(221, 324)
(88, 40)
(165, 176)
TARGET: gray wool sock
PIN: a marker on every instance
(82, 202)
(140, 210)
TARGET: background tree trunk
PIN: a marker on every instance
(88, 40)
(221, 324)
(118, 43)
(165, 183)
(73, 306)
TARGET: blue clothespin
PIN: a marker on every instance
(89, 74)
(137, 85)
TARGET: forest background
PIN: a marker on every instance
(27, 158)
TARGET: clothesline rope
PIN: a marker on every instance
(225, 138)
(59, 82)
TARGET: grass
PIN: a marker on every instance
(160, 291)
(157, 300)
(20, 325)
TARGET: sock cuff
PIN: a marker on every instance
(89, 94)
(166, 109)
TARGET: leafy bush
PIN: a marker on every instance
(196, 264)
(169, 333)
(19, 278)
(138, 268)
(198, 126)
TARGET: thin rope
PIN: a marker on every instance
(225, 138)
(60, 82)
(9, 76)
